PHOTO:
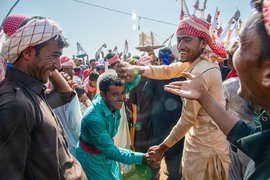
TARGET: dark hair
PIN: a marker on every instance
(80, 91)
(109, 80)
(100, 67)
(91, 60)
(77, 69)
(109, 56)
(93, 76)
(61, 41)
(260, 27)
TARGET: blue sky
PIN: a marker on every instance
(92, 26)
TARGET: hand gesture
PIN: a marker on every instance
(191, 89)
(125, 71)
(68, 79)
(155, 154)
(151, 160)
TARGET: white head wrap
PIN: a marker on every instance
(35, 32)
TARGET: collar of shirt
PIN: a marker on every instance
(27, 80)
(99, 102)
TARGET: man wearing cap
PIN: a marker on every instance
(67, 65)
(252, 64)
(206, 151)
(33, 144)
(70, 113)
(78, 62)
(87, 71)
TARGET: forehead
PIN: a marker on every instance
(116, 89)
(249, 37)
(185, 36)
(53, 47)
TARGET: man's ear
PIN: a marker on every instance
(266, 74)
(203, 43)
(28, 53)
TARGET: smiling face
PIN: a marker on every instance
(114, 97)
(189, 47)
(44, 64)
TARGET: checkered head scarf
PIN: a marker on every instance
(34, 32)
(193, 26)
(9, 26)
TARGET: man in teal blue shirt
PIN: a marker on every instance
(96, 151)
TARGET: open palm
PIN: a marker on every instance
(190, 89)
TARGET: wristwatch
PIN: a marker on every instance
(135, 71)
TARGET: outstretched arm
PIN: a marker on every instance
(194, 89)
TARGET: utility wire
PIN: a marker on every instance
(9, 12)
(122, 12)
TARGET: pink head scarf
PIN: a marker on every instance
(66, 62)
(145, 60)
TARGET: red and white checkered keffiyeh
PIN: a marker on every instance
(66, 62)
(9, 26)
(193, 26)
(12, 23)
(266, 15)
(35, 32)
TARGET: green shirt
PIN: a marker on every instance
(99, 126)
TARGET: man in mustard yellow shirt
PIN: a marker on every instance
(206, 152)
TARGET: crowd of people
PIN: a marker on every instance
(206, 112)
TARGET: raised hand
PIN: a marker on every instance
(191, 89)
(68, 79)
(125, 71)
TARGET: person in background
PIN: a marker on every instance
(85, 102)
(70, 114)
(165, 113)
(91, 85)
(100, 68)
(78, 62)
(67, 65)
(77, 76)
(33, 144)
(252, 64)
(142, 107)
(87, 71)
